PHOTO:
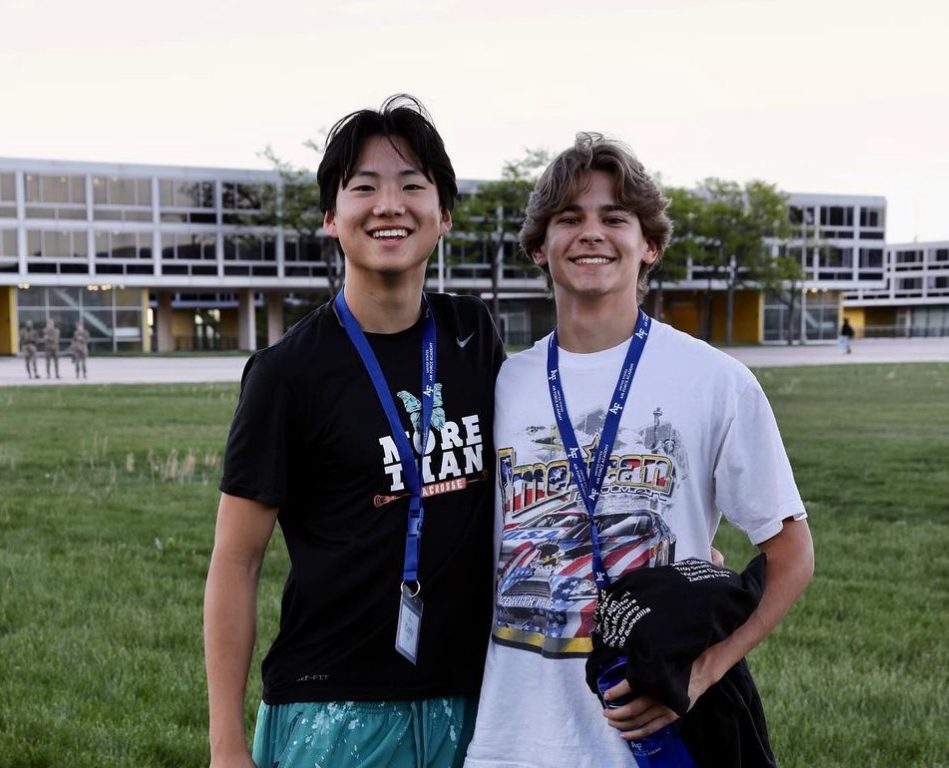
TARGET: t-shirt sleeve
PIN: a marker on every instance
(754, 484)
(255, 460)
(499, 354)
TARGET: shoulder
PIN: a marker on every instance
(525, 362)
(467, 320)
(459, 312)
(312, 338)
(679, 351)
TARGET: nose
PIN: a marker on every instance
(591, 235)
(389, 202)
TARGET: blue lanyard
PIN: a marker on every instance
(589, 485)
(410, 467)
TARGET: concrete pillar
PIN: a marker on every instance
(274, 317)
(246, 322)
(166, 340)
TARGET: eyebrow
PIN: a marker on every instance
(612, 208)
(375, 175)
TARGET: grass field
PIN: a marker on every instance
(107, 500)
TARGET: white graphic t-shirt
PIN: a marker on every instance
(697, 440)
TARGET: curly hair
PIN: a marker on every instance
(567, 176)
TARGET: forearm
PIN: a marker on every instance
(789, 569)
(230, 608)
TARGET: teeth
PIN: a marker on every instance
(390, 233)
(592, 260)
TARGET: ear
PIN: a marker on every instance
(651, 254)
(329, 223)
(445, 226)
(539, 257)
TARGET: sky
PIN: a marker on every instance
(833, 96)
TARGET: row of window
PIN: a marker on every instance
(933, 282)
(918, 256)
(65, 191)
(837, 216)
(73, 298)
(55, 244)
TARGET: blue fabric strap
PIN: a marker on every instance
(411, 467)
(589, 485)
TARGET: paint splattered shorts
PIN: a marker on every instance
(430, 733)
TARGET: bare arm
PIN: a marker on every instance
(789, 570)
(243, 529)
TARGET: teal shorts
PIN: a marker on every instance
(430, 733)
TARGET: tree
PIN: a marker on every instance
(741, 220)
(685, 210)
(782, 277)
(494, 214)
(296, 207)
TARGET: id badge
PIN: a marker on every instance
(410, 624)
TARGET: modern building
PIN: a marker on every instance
(172, 258)
(839, 243)
(914, 297)
(160, 258)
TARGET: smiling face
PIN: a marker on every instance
(387, 216)
(594, 247)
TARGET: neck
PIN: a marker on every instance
(594, 325)
(384, 307)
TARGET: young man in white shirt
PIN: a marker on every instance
(695, 439)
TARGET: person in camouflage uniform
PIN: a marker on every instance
(28, 345)
(80, 348)
(51, 346)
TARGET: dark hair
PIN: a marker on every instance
(400, 116)
(565, 179)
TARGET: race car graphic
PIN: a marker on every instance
(546, 592)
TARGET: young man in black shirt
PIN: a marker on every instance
(370, 416)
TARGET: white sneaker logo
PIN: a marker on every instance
(462, 343)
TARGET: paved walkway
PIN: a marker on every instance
(162, 370)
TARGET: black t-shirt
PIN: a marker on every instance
(310, 437)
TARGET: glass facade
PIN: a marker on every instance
(113, 317)
(206, 231)
(821, 316)
(57, 198)
(8, 243)
(121, 199)
(7, 196)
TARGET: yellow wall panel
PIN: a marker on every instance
(9, 333)
(182, 322)
(229, 324)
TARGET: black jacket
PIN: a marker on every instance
(662, 619)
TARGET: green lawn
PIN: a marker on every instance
(107, 500)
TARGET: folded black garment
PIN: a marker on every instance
(662, 619)
(726, 728)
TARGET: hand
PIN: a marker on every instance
(639, 717)
(718, 558)
(645, 715)
(238, 760)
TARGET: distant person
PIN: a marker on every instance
(843, 340)
(80, 348)
(51, 346)
(28, 345)
(328, 440)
